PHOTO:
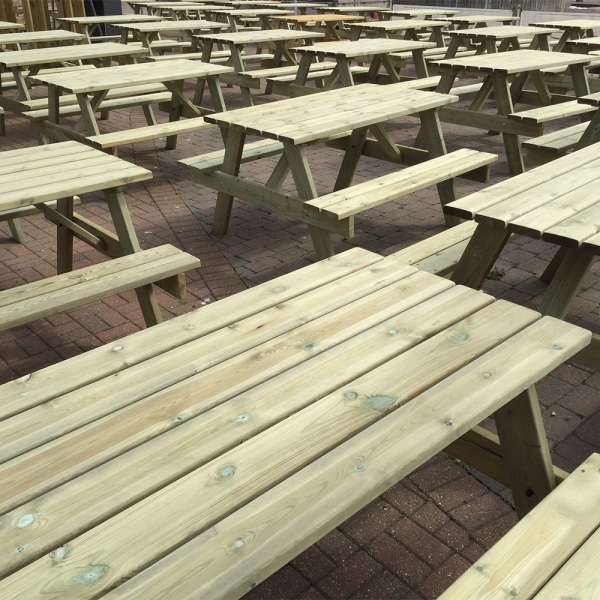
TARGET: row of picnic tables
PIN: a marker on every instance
(187, 468)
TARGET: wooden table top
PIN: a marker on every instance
(10, 26)
(502, 31)
(159, 465)
(89, 81)
(108, 19)
(309, 118)
(37, 56)
(516, 61)
(570, 23)
(423, 12)
(262, 35)
(483, 18)
(31, 37)
(170, 26)
(557, 202)
(363, 47)
(325, 18)
(400, 24)
(49, 172)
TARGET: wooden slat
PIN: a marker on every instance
(55, 294)
(360, 197)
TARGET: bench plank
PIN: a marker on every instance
(529, 554)
(59, 293)
(357, 198)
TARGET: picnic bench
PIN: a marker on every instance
(557, 143)
(183, 477)
(91, 91)
(554, 552)
(163, 265)
(49, 179)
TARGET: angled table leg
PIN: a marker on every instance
(234, 146)
(525, 450)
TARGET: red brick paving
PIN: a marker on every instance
(423, 532)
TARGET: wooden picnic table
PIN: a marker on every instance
(150, 34)
(331, 24)
(290, 126)
(557, 202)
(375, 51)
(383, 14)
(238, 41)
(409, 29)
(498, 39)
(88, 25)
(573, 29)
(462, 21)
(92, 87)
(197, 457)
(424, 13)
(238, 18)
(24, 64)
(506, 73)
(17, 40)
(35, 176)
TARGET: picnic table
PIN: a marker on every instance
(150, 34)
(238, 41)
(498, 39)
(57, 174)
(572, 29)
(24, 64)
(330, 24)
(409, 29)
(240, 19)
(557, 202)
(17, 40)
(195, 458)
(347, 114)
(506, 73)
(89, 25)
(383, 14)
(92, 87)
(425, 13)
(375, 51)
(462, 21)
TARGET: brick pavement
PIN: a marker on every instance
(422, 533)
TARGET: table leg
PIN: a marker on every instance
(305, 186)
(64, 237)
(525, 450)
(234, 146)
(420, 64)
(129, 244)
(511, 140)
(433, 139)
(566, 283)
(354, 150)
(343, 71)
(479, 256)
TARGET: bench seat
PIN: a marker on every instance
(111, 141)
(550, 146)
(551, 553)
(62, 292)
(552, 112)
(144, 99)
(336, 211)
